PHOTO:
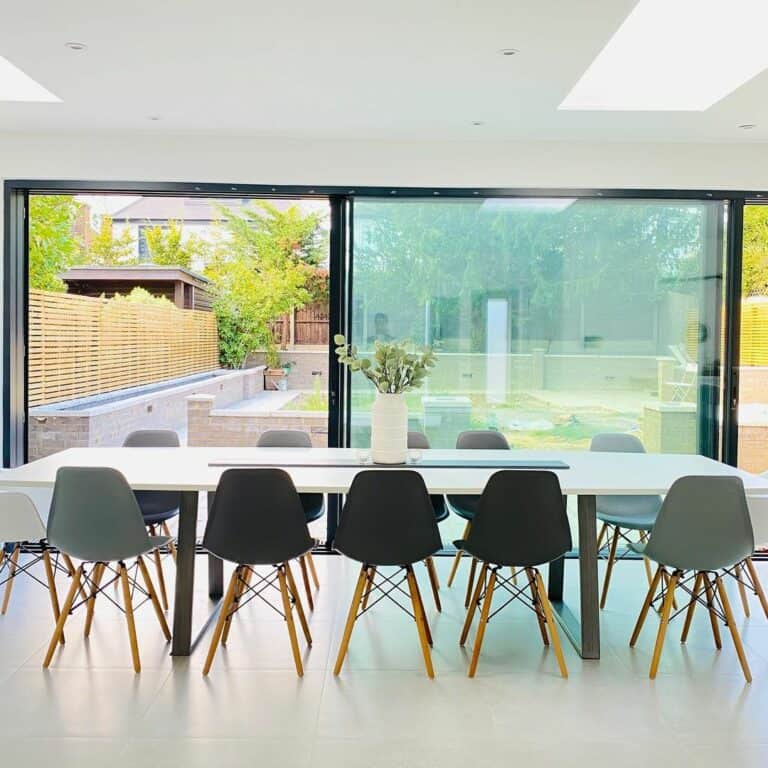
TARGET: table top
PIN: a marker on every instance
(199, 469)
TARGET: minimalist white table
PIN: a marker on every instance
(313, 470)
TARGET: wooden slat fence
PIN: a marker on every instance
(80, 346)
(310, 326)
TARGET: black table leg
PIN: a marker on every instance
(215, 567)
(185, 575)
(588, 586)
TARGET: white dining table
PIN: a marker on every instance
(583, 474)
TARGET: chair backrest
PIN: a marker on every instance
(418, 441)
(520, 519)
(616, 442)
(95, 516)
(703, 525)
(388, 519)
(256, 518)
(155, 502)
(482, 439)
(284, 438)
(19, 518)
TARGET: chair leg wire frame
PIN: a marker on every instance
(490, 579)
(241, 591)
(88, 583)
(705, 588)
(388, 587)
(747, 580)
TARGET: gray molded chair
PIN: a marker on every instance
(466, 506)
(312, 503)
(157, 507)
(96, 519)
(703, 529)
(621, 514)
(519, 523)
(388, 521)
(257, 519)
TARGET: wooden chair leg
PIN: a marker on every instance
(473, 604)
(312, 571)
(305, 579)
(96, 574)
(54, 595)
(297, 604)
(739, 572)
(646, 607)
(756, 585)
(288, 611)
(734, 630)
(362, 579)
(226, 605)
(171, 545)
(160, 579)
(697, 584)
(65, 609)
(537, 606)
(550, 617)
(68, 564)
(601, 536)
(646, 561)
(240, 587)
(484, 613)
(128, 605)
(421, 620)
(370, 576)
(154, 599)
(513, 574)
(470, 582)
(458, 556)
(427, 629)
(713, 617)
(665, 611)
(609, 566)
(13, 562)
(434, 582)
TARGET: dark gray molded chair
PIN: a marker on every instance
(257, 519)
(520, 523)
(313, 503)
(388, 521)
(702, 531)
(95, 518)
(622, 514)
(466, 506)
(157, 507)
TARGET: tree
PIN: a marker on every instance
(755, 263)
(167, 246)
(106, 250)
(53, 245)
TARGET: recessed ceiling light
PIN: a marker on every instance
(73, 46)
(16, 85)
(747, 126)
(661, 57)
(478, 122)
(508, 51)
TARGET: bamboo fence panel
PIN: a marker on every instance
(80, 346)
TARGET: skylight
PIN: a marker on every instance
(676, 55)
(15, 85)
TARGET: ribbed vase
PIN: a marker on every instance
(389, 429)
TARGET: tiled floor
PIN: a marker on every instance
(90, 709)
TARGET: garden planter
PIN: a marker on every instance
(275, 378)
(389, 429)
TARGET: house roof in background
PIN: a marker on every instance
(135, 272)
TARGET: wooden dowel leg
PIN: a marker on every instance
(226, 606)
(427, 630)
(297, 604)
(550, 617)
(68, 564)
(154, 599)
(370, 576)
(13, 562)
(171, 545)
(96, 574)
(434, 582)
(666, 609)
(691, 607)
(421, 620)
(713, 618)
(473, 604)
(305, 579)
(601, 536)
(351, 617)
(646, 561)
(470, 582)
(128, 605)
(240, 587)
(312, 570)
(288, 611)
(160, 579)
(756, 585)
(484, 613)
(733, 628)
(459, 553)
(537, 604)
(65, 609)
(609, 566)
(646, 606)
(54, 595)
(739, 572)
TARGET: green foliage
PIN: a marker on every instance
(396, 367)
(53, 246)
(755, 264)
(106, 250)
(143, 297)
(167, 246)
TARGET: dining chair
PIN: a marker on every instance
(702, 530)
(520, 523)
(22, 532)
(313, 503)
(388, 522)
(684, 386)
(157, 507)
(465, 506)
(621, 515)
(96, 519)
(256, 520)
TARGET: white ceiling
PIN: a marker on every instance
(358, 69)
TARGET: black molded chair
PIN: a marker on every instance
(313, 503)
(388, 520)
(466, 506)
(157, 507)
(257, 519)
(521, 523)
(95, 518)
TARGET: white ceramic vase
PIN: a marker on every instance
(389, 429)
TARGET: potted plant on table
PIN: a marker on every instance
(396, 368)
